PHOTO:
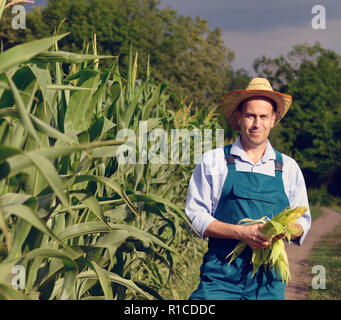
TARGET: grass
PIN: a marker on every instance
(315, 212)
(328, 254)
(335, 207)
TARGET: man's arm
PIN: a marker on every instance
(249, 234)
(204, 189)
(210, 173)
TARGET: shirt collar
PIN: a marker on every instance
(238, 150)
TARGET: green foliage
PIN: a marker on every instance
(310, 130)
(319, 196)
(8, 36)
(184, 52)
(327, 253)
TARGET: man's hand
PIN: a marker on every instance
(297, 235)
(253, 237)
(293, 236)
(250, 234)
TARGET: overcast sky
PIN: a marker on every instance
(252, 28)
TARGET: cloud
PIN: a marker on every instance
(253, 14)
(251, 44)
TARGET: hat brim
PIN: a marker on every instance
(232, 100)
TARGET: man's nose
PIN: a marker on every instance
(256, 121)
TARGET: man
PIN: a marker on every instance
(248, 179)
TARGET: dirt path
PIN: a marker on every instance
(299, 285)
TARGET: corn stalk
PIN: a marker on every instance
(81, 224)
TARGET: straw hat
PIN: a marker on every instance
(257, 87)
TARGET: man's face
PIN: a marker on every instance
(256, 120)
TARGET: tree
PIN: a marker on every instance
(312, 75)
(182, 51)
(9, 36)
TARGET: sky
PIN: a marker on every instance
(252, 28)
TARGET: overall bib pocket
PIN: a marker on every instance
(252, 204)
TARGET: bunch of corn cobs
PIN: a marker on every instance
(274, 255)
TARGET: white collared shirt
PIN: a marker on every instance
(209, 175)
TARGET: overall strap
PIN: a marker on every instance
(230, 159)
(278, 163)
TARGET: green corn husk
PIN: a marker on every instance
(273, 256)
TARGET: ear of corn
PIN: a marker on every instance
(274, 255)
(237, 250)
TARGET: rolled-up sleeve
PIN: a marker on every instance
(199, 202)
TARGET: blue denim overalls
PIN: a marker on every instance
(244, 195)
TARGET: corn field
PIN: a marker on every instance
(79, 224)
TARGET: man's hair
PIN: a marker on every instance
(273, 103)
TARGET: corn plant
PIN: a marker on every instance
(82, 225)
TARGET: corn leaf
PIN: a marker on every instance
(70, 267)
(117, 279)
(22, 111)
(26, 51)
